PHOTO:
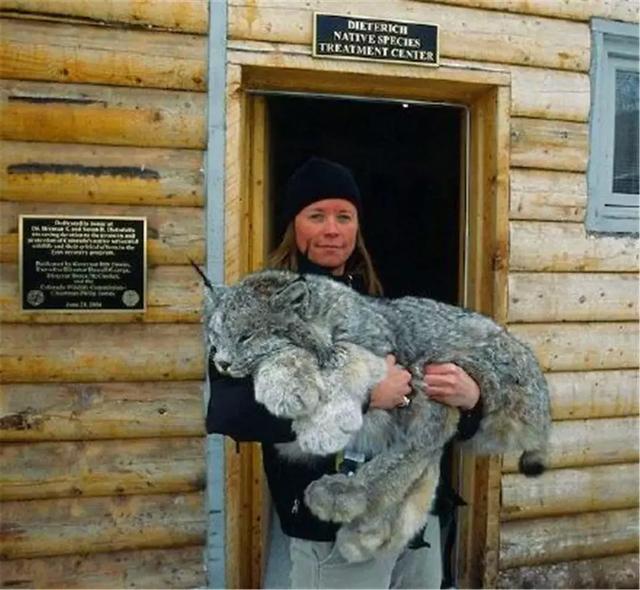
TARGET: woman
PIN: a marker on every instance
(321, 209)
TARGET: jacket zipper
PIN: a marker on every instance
(295, 507)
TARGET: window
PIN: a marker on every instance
(613, 202)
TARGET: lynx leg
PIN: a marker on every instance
(361, 540)
(360, 370)
(390, 532)
(389, 476)
(377, 486)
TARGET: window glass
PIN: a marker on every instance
(625, 155)
(613, 203)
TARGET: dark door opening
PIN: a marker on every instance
(407, 160)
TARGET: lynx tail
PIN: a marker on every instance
(531, 463)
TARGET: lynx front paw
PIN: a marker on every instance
(336, 498)
(289, 404)
(290, 399)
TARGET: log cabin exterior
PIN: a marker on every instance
(101, 415)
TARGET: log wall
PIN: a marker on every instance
(76, 107)
(572, 296)
(102, 112)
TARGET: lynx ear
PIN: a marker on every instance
(212, 297)
(294, 296)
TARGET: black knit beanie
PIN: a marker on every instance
(315, 180)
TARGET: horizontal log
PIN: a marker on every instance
(547, 195)
(549, 94)
(567, 491)
(180, 15)
(464, 33)
(566, 247)
(543, 93)
(101, 468)
(174, 295)
(626, 10)
(84, 54)
(85, 411)
(535, 92)
(303, 72)
(551, 145)
(553, 539)
(572, 297)
(149, 568)
(83, 113)
(101, 352)
(67, 173)
(174, 234)
(40, 528)
(618, 571)
(581, 443)
(583, 346)
(593, 394)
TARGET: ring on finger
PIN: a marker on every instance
(405, 401)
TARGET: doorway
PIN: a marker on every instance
(254, 179)
(407, 159)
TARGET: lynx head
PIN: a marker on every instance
(263, 314)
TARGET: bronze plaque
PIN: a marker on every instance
(70, 263)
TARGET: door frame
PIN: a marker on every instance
(487, 95)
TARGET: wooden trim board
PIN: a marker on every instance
(487, 95)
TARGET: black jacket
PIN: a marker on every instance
(234, 412)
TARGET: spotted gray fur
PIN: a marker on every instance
(315, 348)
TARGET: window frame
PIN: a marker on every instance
(614, 47)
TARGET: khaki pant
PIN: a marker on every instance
(315, 564)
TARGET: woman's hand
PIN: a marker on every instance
(450, 385)
(391, 392)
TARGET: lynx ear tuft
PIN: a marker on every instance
(294, 296)
(213, 293)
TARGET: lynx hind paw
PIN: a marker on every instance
(336, 498)
(286, 389)
(362, 542)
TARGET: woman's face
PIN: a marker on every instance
(326, 232)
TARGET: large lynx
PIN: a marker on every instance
(315, 348)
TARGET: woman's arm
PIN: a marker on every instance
(391, 391)
(451, 385)
(233, 411)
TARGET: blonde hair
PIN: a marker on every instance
(284, 257)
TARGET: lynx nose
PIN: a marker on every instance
(223, 366)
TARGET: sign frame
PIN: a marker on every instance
(144, 273)
(435, 64)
